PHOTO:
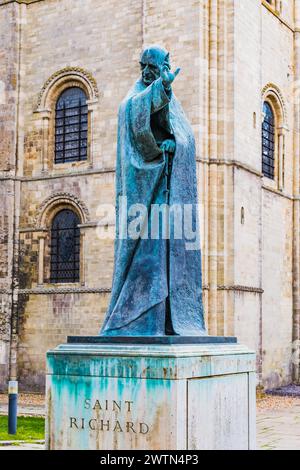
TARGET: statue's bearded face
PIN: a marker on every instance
(152, 60)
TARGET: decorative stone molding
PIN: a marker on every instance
(256, 290)
(272, 90)
(67, 74)
(69, 174)
(64, 290)
(60, 199)
(32, 230)
(100, 290)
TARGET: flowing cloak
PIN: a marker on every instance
(140, 279)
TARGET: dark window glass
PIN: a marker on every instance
(65, 247)
(71, 126)
(268, 142)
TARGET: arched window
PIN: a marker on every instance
(71, 126)
(65, 247)
(268, 142)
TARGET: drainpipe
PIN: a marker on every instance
(13, 373)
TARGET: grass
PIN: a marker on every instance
(29, 429)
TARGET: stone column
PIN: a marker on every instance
(213, 167)
(91, 111)
(221, 156)
(281, 152)
(41, 258)
(82, 257)
(45, 144)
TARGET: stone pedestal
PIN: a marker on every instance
(150, 397)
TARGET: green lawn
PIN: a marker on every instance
(29, 429)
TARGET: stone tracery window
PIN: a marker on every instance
(58, 153)
(268, 142)
(65, 247)
(274, 134)
(71, 126)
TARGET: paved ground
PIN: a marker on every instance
(33, 410)
(278, 424)
(23, 447)
(278, 421)
(28, 404)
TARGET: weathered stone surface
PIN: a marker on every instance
(150, 397)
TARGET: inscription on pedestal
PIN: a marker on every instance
(196, 397)
(109, 416)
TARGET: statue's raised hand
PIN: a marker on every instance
(167, 76)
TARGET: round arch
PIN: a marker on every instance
(55, 203)
(272, 95)
(66, 78)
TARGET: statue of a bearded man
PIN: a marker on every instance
(157, 282)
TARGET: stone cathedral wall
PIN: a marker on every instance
(264, 243)
(229, 51)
